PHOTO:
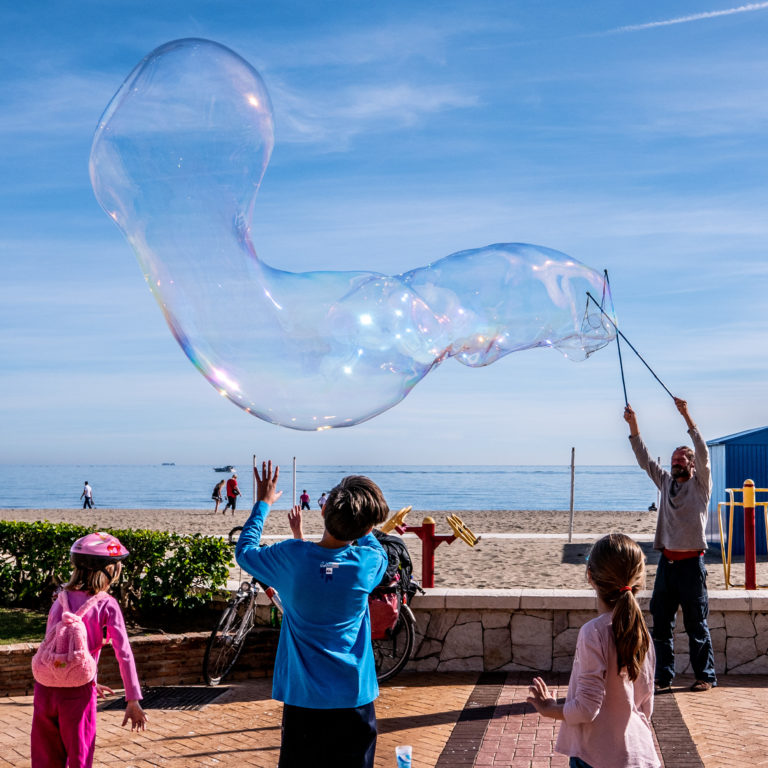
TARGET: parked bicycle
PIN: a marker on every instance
(393, 625)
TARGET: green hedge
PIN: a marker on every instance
(165, 572)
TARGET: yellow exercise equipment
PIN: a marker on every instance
(397, 519)
(461, 530)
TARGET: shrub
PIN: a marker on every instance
(164, 572)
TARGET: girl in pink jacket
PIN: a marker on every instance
(607, 711)
(64, 717)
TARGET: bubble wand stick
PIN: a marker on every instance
(618, 344)
(629, 343)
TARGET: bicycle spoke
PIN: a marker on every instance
(392, 653)
(227, 640)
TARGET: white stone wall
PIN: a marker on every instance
(536, 630)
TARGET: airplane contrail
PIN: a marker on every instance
(693, 17)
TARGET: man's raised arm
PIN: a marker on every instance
(701, 453)
(652, 469)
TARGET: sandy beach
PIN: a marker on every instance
(512, 554)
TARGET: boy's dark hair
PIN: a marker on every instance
(353, 507)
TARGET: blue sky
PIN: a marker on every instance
(630, 136)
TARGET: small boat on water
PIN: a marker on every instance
(169, 464)
(228, 468)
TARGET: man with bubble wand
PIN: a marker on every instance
(681, 577)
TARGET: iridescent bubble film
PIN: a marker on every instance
(176, 162)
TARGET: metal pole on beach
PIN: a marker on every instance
(573, 472)
(253, 479)
(293, 504)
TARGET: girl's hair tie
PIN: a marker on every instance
(625, 589)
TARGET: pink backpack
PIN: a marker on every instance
(63, 659)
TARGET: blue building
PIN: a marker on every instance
(734, 459)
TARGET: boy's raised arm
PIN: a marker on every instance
(257, 560)
(294, 520)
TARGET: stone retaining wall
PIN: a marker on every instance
(536, 630)
(458, 629)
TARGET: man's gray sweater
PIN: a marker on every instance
(683, 508)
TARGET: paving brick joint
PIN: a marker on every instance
(450, 719)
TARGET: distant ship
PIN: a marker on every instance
(228, 468)
(169, 464)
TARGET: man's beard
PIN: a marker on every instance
(681, 473)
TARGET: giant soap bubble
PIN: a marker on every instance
(176, 162)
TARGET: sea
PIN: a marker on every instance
(439, 487)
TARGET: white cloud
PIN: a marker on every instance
(51, 107)
(332, 119)
(380, 43)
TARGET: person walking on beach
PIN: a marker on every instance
(304, 499)
(324, 668)
(64, 707)
(321, 500)
(216, 495)
(607, 711)
(681, 578)
(232, 493)
(87, 496)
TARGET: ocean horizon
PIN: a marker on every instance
(427, 487)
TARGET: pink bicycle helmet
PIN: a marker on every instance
(99, 548)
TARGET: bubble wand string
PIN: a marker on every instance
(629, 344)
(607, 284)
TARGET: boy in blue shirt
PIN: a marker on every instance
(324, 669)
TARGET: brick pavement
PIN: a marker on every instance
(452, 720)
(727, 724)
(517, 736)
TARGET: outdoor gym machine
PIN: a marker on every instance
(429, 539)
(748, 503)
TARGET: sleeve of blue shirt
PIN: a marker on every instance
(265, 563)
(369, 540)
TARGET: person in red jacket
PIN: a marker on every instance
(232, 493)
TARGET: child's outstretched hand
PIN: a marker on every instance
(294, 520)
(266, 483)
(543, 701)
(102, 691)
(135, 714)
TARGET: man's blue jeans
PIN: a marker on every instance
(682, 583)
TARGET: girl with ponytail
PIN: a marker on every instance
(607, 711)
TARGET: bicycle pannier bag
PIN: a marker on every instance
(385, 610)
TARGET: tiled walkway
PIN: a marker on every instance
(451, 720)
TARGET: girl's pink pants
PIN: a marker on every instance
(64, 726)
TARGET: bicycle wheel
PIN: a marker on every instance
(391, 653)
(227, 639)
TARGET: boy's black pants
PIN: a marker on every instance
(328, 738)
